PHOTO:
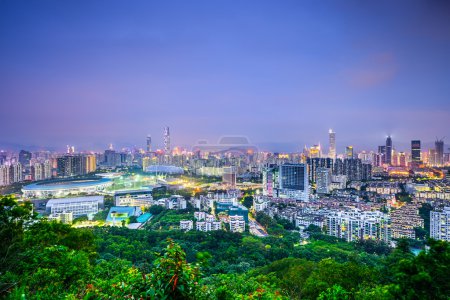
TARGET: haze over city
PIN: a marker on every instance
(93, 73)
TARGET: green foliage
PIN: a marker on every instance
(156, 209)
(247, 201)
(424, 212)
(373, 247)
(45, 260)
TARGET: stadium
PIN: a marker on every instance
(65, 187)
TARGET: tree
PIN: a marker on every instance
(14, 218)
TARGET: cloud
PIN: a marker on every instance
(375, 70)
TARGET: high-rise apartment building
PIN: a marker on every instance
(4, 175)
(15, 173)
(416, 151)
(229, 176)
(323, 180)
(167, 140)
(440, 224)
(24, 158)
(388, 157)
(332, 144)
(353, 168)
(349, 152)
(149, 143)
(439, 152)
(314, 163)
(89, 163)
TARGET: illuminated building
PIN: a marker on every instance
(166, 140)
(142, 198)
(402, 159)
(349, 152)
(415, 151)
(229, 176)
(323, 180)
(293, 181)
(388, 159)
(332, 143)
(90, 164)
(356, 225)
(37, 171)
(270, 180)
(80, 206)
(4, 175)
(440, 224)
(382, 154)
(15, 173)
(314, 163)
(353, 168)
(64, 187)
(315, 152)
(404, 220)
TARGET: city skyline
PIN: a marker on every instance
(281, 74)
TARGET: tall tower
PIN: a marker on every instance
(149, 143)
(439, 150)
(388, 157)
(332, 144)
(166, 140)
(349, 152)
(415, 151)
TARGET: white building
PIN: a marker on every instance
(323, 180)
(4, 175)
(79, 206)
(186, 225)
(260, 202)
(15, 173)
(203, 226)
(440, 224)
(237, 224)
(175, 202)
(303, 221)
(199, 215)
(141, 198)
(64, 217)
(355, 225)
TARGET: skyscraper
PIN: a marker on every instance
(439, 152)
(332, 144)
(323, 180)
(415, 151)
(167, 140)
(388, 157)
(349, 152)
(293, 181)
(149, 143)
(24, 158)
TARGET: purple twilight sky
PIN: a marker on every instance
(90, 73)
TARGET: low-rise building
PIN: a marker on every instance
(118, 214)
(142, 198)
(79, 206)
(237, 224)
(186, 225)
(175, 202)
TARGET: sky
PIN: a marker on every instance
(90, 73)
